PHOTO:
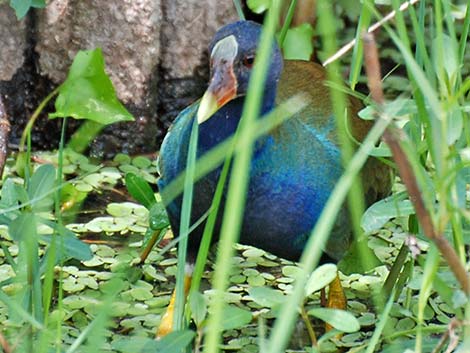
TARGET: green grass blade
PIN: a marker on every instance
(210, 225)
(326, 24)
(356, 60)
(464, 36)
(421, 53)
(434, 112)
(20, 311)
(238, 7)
(239, 178)
(466, 332)
(184, 226)
(430, 269)
(287, 22)
(379, 327)
(449, 21)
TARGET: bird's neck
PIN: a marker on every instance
(224, 122)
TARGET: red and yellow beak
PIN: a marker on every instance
(223, 84)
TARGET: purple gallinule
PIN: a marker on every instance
(294, 167)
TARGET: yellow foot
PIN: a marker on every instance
(336, 298)
(166, 324)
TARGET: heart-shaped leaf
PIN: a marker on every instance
(88, 93)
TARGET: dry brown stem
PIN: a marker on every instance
(394, 138)
(4, 344)
(4, 133)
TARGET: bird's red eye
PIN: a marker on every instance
(248, 61)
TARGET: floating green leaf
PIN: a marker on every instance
(267, 297)
(122, 158)
(140, 293)
(142, 162)
(174, 342)
(353, 260)
(320, 278)
(234, 317)
(381, 212)
(339, 319)
(292, 271)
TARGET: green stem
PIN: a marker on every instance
(29, 125)
(238, 7)
(395, 271)
(58, 215)
(466, 329)
(427, 329)
(380, 325)
(153, 240)
(210, 225)
(356, 61)
(308, 324)
(184, 226)
(287, 22)
(464, 37)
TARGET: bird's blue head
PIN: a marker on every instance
(232, 54)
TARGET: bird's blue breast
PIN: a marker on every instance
(290, 183)
(292, 174)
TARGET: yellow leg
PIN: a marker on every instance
(336, 297)
(166, 324)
